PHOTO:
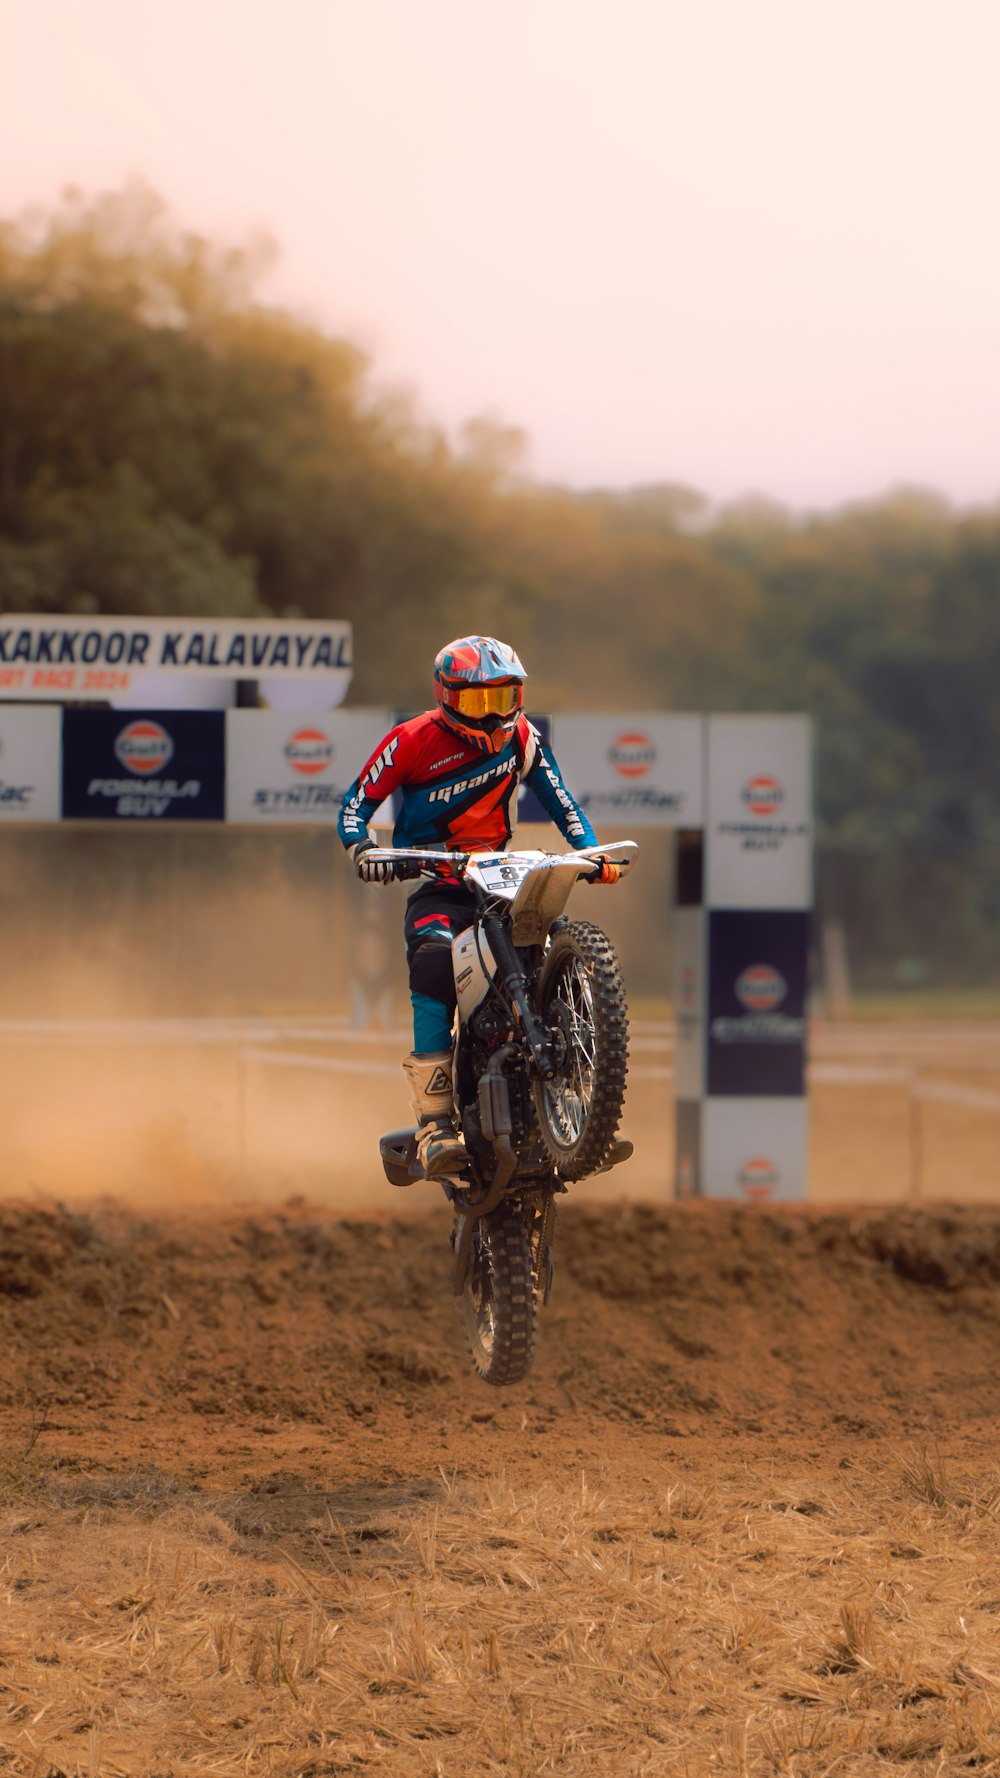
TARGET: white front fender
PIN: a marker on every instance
(545, 891)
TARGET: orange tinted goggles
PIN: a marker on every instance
(483, 700)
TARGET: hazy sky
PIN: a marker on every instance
(735, 243)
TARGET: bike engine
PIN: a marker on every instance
(489, 1025)
(486, 1029)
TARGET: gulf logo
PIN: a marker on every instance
(763, 794)
(143, 747)
(758, 1178)
(632, 755)
(308, 751)
(760, 988)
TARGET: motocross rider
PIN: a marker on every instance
(456, 769)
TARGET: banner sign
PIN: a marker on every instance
(743, 896)
(30, 746)
(757, 1002)
(759, 816)
(633, 771)
(754, 1150)
(70, 659)
(289, 768)
(165, 765)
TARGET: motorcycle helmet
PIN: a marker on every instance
(477, 683)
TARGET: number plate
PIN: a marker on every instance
(502, 876)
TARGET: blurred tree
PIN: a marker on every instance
(168, 443)
(113, 547)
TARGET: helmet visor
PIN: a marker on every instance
(483, 700)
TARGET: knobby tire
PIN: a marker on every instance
(581, 998)
(498, 1303)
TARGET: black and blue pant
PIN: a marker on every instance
(435, 915)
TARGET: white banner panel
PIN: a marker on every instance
(282, 767)
(30, 764)
(633, 771)
(759, 820)
(754, 1149)
(99, 658)
(185, 691)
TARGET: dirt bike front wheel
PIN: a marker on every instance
(581, 1001)
(498, 1303)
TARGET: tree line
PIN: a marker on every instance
(171, 444)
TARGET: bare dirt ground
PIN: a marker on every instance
(259, 1517)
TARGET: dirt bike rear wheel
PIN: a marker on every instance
(581, 1000)
(498, 1303)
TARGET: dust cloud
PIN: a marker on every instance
(140, 970)
(209, 1016)
(176, 1122)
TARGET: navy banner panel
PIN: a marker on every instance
(757, 1002)
(528, 806)
(159, 765)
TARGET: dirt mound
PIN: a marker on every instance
(260, 1514)
(182, 1342)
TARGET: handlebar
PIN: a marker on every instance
(412, 862)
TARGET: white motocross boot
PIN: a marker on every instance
(439, 1149)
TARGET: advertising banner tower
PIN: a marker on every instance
(743, 896)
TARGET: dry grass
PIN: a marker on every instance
(799, 1624)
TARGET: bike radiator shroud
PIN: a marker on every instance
(543, 886)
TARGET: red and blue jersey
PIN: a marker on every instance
(452, 795)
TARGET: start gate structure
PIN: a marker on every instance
(736, 790)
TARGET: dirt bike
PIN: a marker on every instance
(540, 1066)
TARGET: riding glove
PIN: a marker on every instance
(373, 870)
(606, 872)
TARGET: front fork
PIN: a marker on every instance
(496, 1124)
(495, 1116)
(516, 982)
